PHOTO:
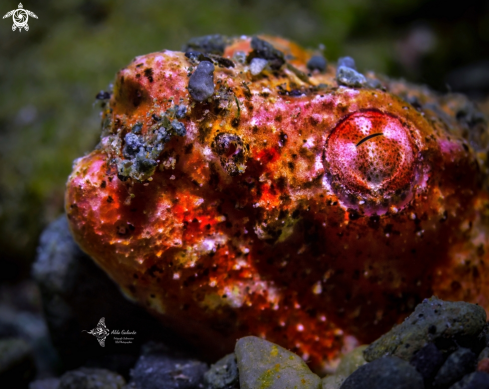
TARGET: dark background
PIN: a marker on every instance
(50, 75)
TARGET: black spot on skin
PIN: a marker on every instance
(188, 148)
(153, 270)
(103, 184)
(283, 139)
(353, 214)
(110, 199)
(235, 122)
(148, 73)
(130, 92)
(223, 62)
(374, 221)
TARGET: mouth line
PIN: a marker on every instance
(369, 137)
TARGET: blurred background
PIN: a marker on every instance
(49, 77)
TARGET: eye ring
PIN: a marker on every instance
(371, 161)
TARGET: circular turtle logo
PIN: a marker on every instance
(20, 16)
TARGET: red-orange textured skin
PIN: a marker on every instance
(317, 240)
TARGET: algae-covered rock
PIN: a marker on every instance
(385, 373)
(431, 320)
(348, 364)
(332, 382)
(351, 362)
(263, 364)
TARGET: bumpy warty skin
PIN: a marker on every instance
(282, 204)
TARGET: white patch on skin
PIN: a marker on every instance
(206, 246)
(309, 144)
(207, 153)
(363, 124)
(192, 130)
(198, 201)
(318, 165)
(348, 91)
(318, 118)
(237, 294)
(323, 98)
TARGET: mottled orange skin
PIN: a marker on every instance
(278, 250)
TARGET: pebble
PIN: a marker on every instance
(212, 44)
(433, 319)
(201, 82)
(223, 374)
(257, 65)
(427, 361)
(351, 362)
(16, 362)
(86, 378)
(476, 380)
(332, 382)
(317, 62)
(180, 111)
(373, 83)
(263, 364)
(348, 62)
(156, 368)
(458, 364)
(350, 77)
(263, 49)
(132, 145)
(348, 364)
(385, 373)
(179, 128)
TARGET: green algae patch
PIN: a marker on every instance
(265, 365)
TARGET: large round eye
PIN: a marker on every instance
(370, 161)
